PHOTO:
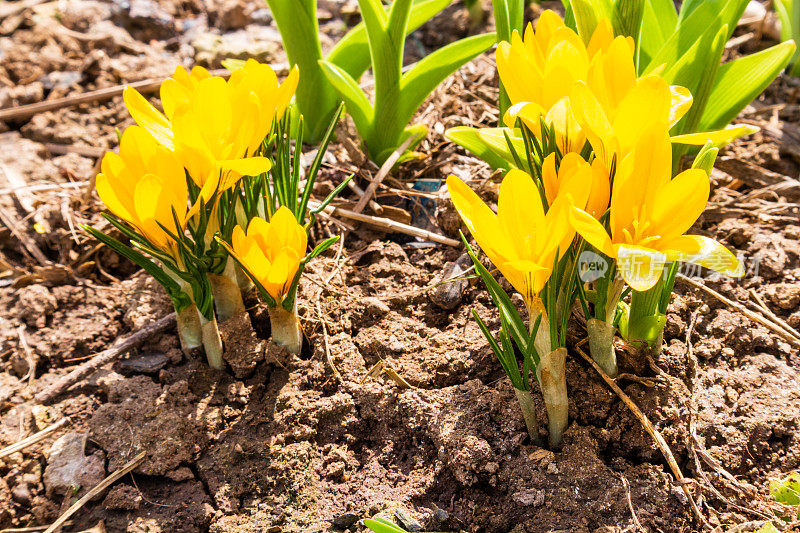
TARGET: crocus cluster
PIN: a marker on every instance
(591, 146)
(174, 190)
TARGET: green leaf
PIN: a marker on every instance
(789, 14)
(628, 16)
(497, 139)
(503, 303)
(659, 21)
(321, 247)
(740, 81)
(358, 105)
(420, 81)
(509, 364)
(299, 28)
(786, 490)
(588, 14)
(351, 53)
(702, 20)
(179, 298)
(469, 139)
(508, 16)
(311, 175)
(381, 525)
(706, 158)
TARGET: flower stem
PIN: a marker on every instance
(227, 296)
(212, 343)
(553, 381)
(601, 345)
(286, 329)
(529, 414)
(189, 330)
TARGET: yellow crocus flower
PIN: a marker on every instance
(258, 79)
(650, 214)
(522, 239)
(271, 251)
(539, 71)
(143, 184)
(215, 126)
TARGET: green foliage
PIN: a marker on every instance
(317, 97)
(786, 490)
(789, 14)
(382, 525)
(383, 124)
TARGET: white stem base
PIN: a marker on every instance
(212, 343)
(553, 381)
(286, 330)
(227, 296)
(601, 345)
(189, 330)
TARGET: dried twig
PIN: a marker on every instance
(33, 439)
(328, 358)
(745, 311)
(103, 358)
(388, 224)
(763, 307)
(653, 432)
(630, 504)
(100, 487)
(382, 173)
(143, 86)
(28, 245)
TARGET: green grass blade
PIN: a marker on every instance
(740, 81)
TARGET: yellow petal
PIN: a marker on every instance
(550, 178)
(601, 38)
(702, 251)
(719, 137)
(644, 106)
(600, 195)
(680, 102)
(233, 170)
(591, 230)
(258, 231)
(640, 267)
(568, 132)
(594, 122)
(679, 203)
(148, 117)
(119, 204)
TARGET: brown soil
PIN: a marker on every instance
(310, 443)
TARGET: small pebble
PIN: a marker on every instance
(408, 522)
(144, 364)
(345, 520)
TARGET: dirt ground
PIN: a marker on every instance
(313, 443)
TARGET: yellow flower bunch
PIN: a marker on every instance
(211, 129)
(594, 138)
(590, 91)
(213, 125)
